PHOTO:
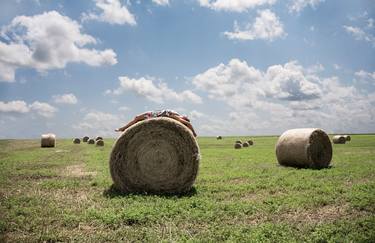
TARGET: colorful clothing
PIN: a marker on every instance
(160, 113)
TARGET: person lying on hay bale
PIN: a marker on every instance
(159, 113)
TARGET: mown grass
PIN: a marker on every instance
(63, 194)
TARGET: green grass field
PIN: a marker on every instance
(63, 194)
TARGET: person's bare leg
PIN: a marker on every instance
(135, 120)
(186, 123)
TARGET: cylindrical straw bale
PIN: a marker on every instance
(239, 141)
(98, 138)
(250, 142)
(237, 145)
(245, 144)
(347, 137)
(219, 137)
(99, 142)
(91, 141)
(48, 140)
(158, 155)
(304, 147)
(338, 139)
(76, 141)
(85, 139)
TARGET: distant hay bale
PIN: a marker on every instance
(250, 142)
(98, 138)
(245, 144)
(76, 141)
(91, 141)
(85, 139)
(99, 142)
(158, 155)
(305, 147)
(347, 137)
(237, 145)
(338, 139)
(48, 140)
(239, 141)
(219, 137)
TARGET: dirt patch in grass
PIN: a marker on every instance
(78, 170)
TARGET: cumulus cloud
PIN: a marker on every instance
(161, 2)
(360, 34)
(69, 99)
(267, 26)
(281, 97)
(366, 78)
(298, 5)
(112, 12)
(156, 92)
(234, 5)
(47, 41)
(20, 106)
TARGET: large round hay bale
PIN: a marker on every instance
(99, 142)
(250, 142)
(237, 145)
(76, 141)
(305, 147)
(219, 137)
(85, 139)
(347, 137)
(338, 139)
(91, 141)
(245, 144)
(48, 140)
(158, 155)
(98, 138)
(239, 141)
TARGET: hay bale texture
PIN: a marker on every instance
(219, 137)
(158, 155)
(338, 139)
(48, 140)
(98, 138)
(250, 142)
(245, 144)
(76, 141)
(91, 141)
(305, 147)
(237, 145)
(85, 139)
(347, 137)
(239, 141)
(99, 142)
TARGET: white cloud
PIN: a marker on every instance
(360, 34)
(234, 5)
(16, 106)
(70, 99)
(267, 26)
(195, 115)
(20, 106)
(161, 2)
(112, 12)
(123, 108)
(158, 93)
(47, 41)
(299, 5)
(365, 77)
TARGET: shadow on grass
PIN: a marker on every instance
(113, 192)
(299, 167)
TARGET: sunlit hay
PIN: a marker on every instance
(48, 140)
(85, 139)
(239, 141)
(219, 137)
(91, 141)
(339, 139)
(305, 147)
(76, 141)
(99, 142)
(347, 137)
(250, 142)
(245, 144)
(158, 155)
(98, 138)
(237, 145)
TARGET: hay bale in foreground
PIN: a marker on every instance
(245, 144)
(305, 147)
(239, 141)
(76, 141)
(219, 137)
(158, 155)
(237, 145)
(91, 141)
(48, 140)
(338, 139)
(250, 142)
(347, 137)
(99, 142)
(98, 138)
(85, 139)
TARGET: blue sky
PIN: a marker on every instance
(239, 67)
